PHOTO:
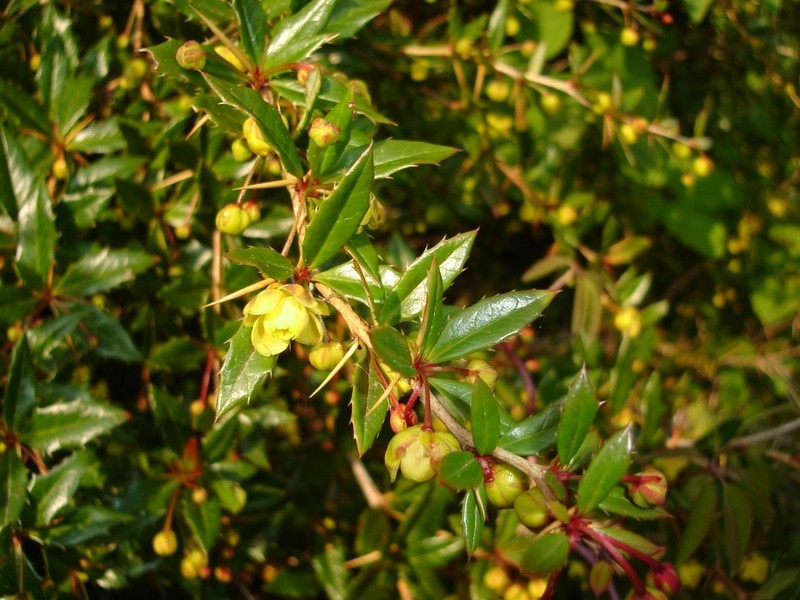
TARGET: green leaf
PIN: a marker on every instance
(267, 117)
(267, 260)
(407, 298)
(433, 318)
(114, 341)
(84, 524)
(223, 115)
(252, 28)
(73, 101)
(548, 26)
(25, 110)
(242, 372)
(485, 418)
(488, 322)
(166, 64)
(17, 302)
(533, 434)
(392, 347)
(24, 195)
(98, 138)
(171, 418)
(350, 16)
(700, 520)
(20, 396)
(737, 523)
(295, 38)
(697, 9)
(471, 522)
(100, 270)
(13, 481)
(340, 214)
(205, 520)
(331, 572)
(605, 471)
(70, 424)
(367, 415)
(345, 279)
(55, 490)
(325, 160)
(364, 253)
(617, 503)
(460, 471)
(177, 354)
(496, 30)
(578, 414)
(546, 554)
(395, 155)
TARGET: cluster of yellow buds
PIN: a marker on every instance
(283, 313)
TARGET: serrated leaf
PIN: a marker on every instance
(395, 155)
(460, 471)
(296, 37)
(471, 521)
(267, 117)
(20, 392)
(392, 347)
(579, 411)
(243, 370)
(205, 521)
(101, 270)
(407, 298)
(546, 554)
(252, 28)
(54, 490)
(70, 424)
(605, 471)
(700, 520)
(485, 418)
(737, 523)
(433, 318)
(13, 481)
(223, 115)
(488, 322)
(367, 415)
(340, 214)
(267, 260)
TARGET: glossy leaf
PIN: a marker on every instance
(166, 65)
(407, 298)
(170, 416)
(367, 415)
(84, 524)
(340, 214)
(460, 471)
(533, 434)
(98, 138)
(54, 490)
(13, 481)
(605, 471)
(471, 521)
(350, 16)
(700, 520)
(112, 339)
(102, 269)
(330, 570)
(268, 261)
(496, 31)
(24, 108)
(252, 28)
(364, 253)
(267, 117)
(242, 372)
(345, 279)
(433, 317)
(392, 347)
(488, 322)
(324, 160)
(24, 195)
(395, 155)
(577, 417)
(737, 523)
(617, 503)
(485, 418)
(546, 554)
(298, 36)
(20, 392)
(70, 424)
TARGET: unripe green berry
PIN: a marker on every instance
(628, 134)
(240, 150)
(497, 90)
(165, 543)
(324, 133)
(551, 103)
(35, 61)
(629, 37)
(232, 219)
(255, 139)
(123, 41)
(326, 356)
(183, 231)
(191, 56)
(681, 151)
(531, 509)
(253, 210)
(14, 333)
(60, 169)
(703, 166)
(505, 485)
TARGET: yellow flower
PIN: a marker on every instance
(281, 314)
(755, 568)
